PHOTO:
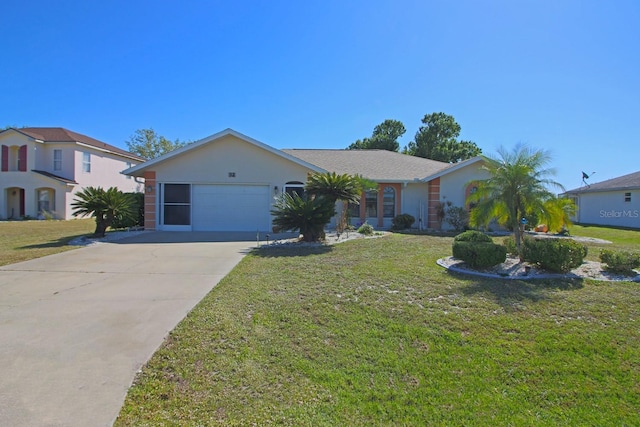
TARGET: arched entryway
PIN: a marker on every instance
(15, 203)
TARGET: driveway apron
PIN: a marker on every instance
(76, 327)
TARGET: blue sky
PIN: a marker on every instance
(560, 75)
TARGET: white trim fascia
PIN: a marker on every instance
(453, 168)
(103, 150)
(23, 134)
(600, 190)
(203, 141)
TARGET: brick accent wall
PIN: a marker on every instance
(150, 200)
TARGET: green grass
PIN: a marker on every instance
(622, 238)
(372, 332)
(25, 240)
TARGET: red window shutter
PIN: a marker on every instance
(22, 154)
(5, 158)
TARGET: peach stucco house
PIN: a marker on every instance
(229, 181)
(43, 168)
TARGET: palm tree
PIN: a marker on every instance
(103, 205)
(339, 187)
(519, 183)
(307, 214)
(335, 187)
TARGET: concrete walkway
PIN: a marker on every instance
(76, 327)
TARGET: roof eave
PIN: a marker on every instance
(138, 170)
(452, 168)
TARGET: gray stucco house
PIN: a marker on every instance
(614, 202)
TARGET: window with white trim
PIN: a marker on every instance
(86, 162)
(389, 202)
(296, 187)
(44, 201)
(57, 160)
(371, 204)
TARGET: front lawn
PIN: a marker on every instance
(25, 240)
(372, 332)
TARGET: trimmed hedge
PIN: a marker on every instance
(510, 244)
(620, 261)
(556, 255)
(479, 254)
(473, 236)
(402, 222)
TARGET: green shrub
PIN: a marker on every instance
(556, 255)
(137, 220)
(620, 261)
(366, 229)
(402, 222)
(510, 244)
(457, 217)
(473, 236)
(479, 254)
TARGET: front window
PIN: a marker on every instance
(177, 204)
(44, 201)
(627, 197)
(294, 187)
(57, 160)
(86, 162)
(389, 202)
(371, 204)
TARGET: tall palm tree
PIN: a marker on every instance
(103, 205)
(519, 183)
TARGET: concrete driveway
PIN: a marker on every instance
(76, 327)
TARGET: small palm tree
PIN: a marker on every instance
(307, 214)
(518, 184)
(335, 187)
(339, 187)
(103, 205)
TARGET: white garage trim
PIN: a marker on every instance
(231, 207)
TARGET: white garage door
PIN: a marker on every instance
(231, 208)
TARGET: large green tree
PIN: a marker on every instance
(519, 184)
(104, 205)
(437, 140)
(384, 137)
(148, 144)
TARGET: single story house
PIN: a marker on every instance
(229, 182)
(614, 202)
(42, 169)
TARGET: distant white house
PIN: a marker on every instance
(43, 168)
(228, 182)
(615, 202)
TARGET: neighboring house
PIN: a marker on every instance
(228, 182)
(43, 168)
(614, 202)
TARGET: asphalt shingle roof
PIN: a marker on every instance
(625, 182)
(378, 165)
(64, 135)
